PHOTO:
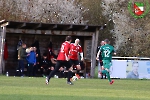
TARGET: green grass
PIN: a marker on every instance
(17, 88)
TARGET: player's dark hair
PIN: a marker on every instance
(68, 38)
(107, 41)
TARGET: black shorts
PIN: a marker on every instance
(61, 63)
(74, 62)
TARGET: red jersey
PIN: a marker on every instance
(64, 50)
(74, 50)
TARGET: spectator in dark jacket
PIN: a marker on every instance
(21, 56)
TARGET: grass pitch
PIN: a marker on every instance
(17, 88)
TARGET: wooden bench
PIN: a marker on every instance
(84, 71)
(65, 71)
(75, 71)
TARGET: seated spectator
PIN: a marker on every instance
(46, 65)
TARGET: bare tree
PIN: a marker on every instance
(47, 11)
(131, 34)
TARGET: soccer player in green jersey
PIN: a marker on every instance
(106, 51)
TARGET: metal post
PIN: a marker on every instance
(2, 39)
(3, 25)
(0, 49)
(93, 52)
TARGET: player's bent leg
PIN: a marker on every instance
(78, 71)
(69, 77)
(58, 65)
(106, 71)
(70, 68)
(108, 76)
(112, 81)
(107, 65)
(78, 67)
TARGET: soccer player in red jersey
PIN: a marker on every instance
(63, 60)
(75, 50)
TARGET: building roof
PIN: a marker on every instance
(55, 27)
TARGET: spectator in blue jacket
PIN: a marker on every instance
(31, 61)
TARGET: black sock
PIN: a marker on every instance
(105, 76)
(69, 76)
(102, 76)
(78, 72)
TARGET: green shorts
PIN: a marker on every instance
(107, 64)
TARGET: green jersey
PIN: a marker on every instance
(106, 51)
